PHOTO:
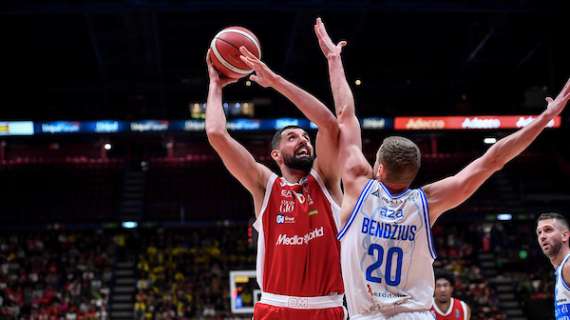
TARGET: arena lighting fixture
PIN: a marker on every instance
(490, 140)
(504, 217)
(107, 146)
(129, 224)
(358, 82)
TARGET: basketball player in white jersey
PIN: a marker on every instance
(386, 246)
(553, 235)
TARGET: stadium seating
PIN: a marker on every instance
(55, 275)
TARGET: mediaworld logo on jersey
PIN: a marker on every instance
(296, 240)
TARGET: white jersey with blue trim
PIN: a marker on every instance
(562, 294)
(387, 254)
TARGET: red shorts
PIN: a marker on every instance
(262, 311)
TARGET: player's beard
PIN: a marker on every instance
(304, 164)
(554, 249)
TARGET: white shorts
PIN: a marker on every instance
(422, 315)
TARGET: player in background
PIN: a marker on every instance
(386, 246)
(445, 307)
(553, 234)
(297, 213)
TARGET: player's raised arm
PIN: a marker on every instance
(312, 108)
(252, 175)
(342, 94)
(356, 170)
(353, 163)
(452, 191)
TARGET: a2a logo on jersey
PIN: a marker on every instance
(281, 219)
(390, 214)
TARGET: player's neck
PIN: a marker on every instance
(443, 306)
(395, 188)
(557, 260)
(292, 175)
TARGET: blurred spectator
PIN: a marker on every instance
(55, 275)
(457, 250)
(184, 275)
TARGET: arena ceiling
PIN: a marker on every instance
(145, 59)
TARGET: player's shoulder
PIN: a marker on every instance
(462, 304)
(273, 183)
(435, 310)
(564, 271)
(358, 186)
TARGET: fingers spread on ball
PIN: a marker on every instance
(247, 61)
(247, 53)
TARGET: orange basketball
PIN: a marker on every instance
(225, 51)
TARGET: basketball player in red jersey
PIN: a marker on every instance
(298, 259)
(444, 306)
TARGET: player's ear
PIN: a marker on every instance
(380, 171)
(275, 155)
(565, 236)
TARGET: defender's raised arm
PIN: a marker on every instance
(452, 191)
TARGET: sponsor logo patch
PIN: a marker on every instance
(281, 219)
(295, 240)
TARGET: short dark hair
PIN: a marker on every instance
(555, 216)
(440, 274)
(276, 140)
(402, 159)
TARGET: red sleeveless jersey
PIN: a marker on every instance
(298, 253)
(457, 311)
